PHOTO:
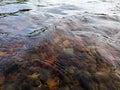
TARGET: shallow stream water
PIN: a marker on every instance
(59, 45)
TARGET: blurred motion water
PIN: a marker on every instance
(74, 43)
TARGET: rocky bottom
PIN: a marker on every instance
(65, 62)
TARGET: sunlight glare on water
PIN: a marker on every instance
(92, 6)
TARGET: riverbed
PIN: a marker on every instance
(59, 45)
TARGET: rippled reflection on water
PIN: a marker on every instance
(59, 45)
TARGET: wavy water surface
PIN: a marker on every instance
(59, 45)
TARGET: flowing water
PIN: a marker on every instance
(59, 45)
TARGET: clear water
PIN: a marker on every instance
(59, 45)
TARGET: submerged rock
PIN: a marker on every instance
(58, 60)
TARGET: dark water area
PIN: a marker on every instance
(59, 45)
